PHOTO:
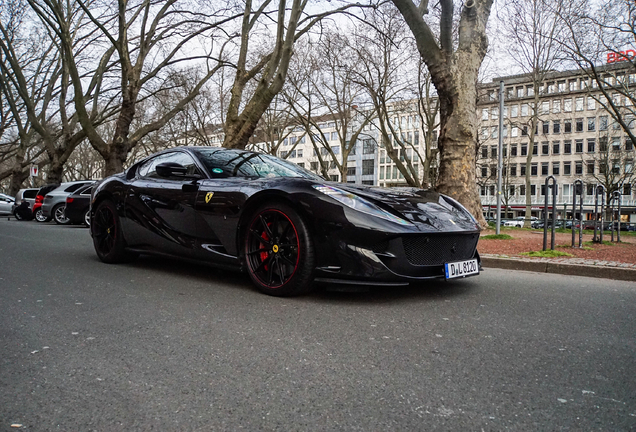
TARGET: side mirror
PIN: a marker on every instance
(173, 169)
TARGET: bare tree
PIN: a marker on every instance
(268, 70)
(533, 26)
(454, 67)
(147, 41)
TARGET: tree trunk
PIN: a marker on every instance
(458, 132)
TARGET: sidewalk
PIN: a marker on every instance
(565, 266)
(610, 261)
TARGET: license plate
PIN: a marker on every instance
(461, 269)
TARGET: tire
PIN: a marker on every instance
(108, 240)
(87, 218)
(279, 252)
(17, 216)
(39, 216)
(58, 215)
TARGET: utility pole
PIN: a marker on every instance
(499, 154)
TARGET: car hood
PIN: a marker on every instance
(428, 210)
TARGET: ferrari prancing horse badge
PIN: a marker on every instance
(208, 197)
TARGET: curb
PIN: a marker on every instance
(618, 273)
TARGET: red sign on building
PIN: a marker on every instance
(615, 57)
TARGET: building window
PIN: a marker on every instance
(616, 144)
(535, 149)
(579, 125)
(556, 106)
(590, 189)
(484, 171)
(522, 190)
(494, 113)
(334, 136)
(567, 168)
(368, 146)
(484, 152)
(314, 166)
(579, 146)
(591, 124)
(545, 148)
(545, 107)
(533, 190)
(524, 110)
(519, 92)
(514, 111)
(484, 114)
(493, 151)
(572, 83)
(301, 164)
(567, 126)
(627, 189)
(629, 145)
(578, 104)
(483, 191)
(524, 149)
(602, 123)
(555, 168)
(556, 148)
(523, 170)
(351, 171)
(335, 149)
(567, 147)
(578, 168)
(591, 103)
(567, 105)
(544, 168)
(602, 144)
(513, 170)
(524, 130)
(513, 150)
(591, 143)
(556, 127)
(367, 167)
(494, 132)
(546, 128)
(590, 167)
(533, 169)
(484, 133)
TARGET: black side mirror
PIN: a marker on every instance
(173, 169)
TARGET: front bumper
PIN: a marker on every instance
(398, 261)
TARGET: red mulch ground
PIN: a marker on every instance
(524, 240)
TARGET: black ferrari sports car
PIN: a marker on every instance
(285, 226)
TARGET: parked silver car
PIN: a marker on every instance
(55, 201)
(6, 204)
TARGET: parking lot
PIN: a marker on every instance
(169, 345)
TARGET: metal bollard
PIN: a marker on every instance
(545, 212)
(616, 201)
(577, 190)
(598, 188)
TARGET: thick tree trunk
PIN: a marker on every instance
(458, 133)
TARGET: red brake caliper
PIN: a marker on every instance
(264, 254)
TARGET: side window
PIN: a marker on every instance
(148, 169)
(74, 187)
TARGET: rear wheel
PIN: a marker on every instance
(87, 218)
(59, 216)
(108, 240)
(279, 252)
(17, 215)
(39, 216)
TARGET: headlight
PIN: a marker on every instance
(360, 204)
(454, 203)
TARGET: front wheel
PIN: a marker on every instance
(108, 240)
(279, 252)
(87, 218)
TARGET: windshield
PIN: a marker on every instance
(222, 162)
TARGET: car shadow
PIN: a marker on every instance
(433, 289)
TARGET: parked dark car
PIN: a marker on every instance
(284, 225)
(39, 199)
(78, 206)
(55, 201)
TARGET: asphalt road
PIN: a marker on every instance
(171, 346)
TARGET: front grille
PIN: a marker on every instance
(439, 249)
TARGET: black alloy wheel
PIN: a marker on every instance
(279, 252)
(59, 216)
(109, 243)
(17, 215)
